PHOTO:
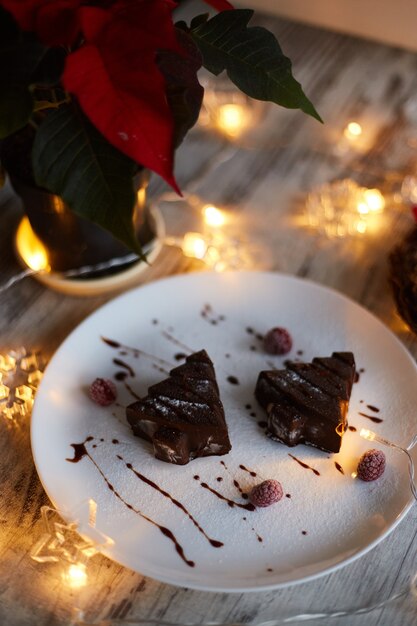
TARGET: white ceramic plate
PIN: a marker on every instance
(329, 520)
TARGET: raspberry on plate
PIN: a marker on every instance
(103, 391)
(277, 341)
(266, 493)
(371, 465)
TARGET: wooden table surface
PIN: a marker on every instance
(265, 185)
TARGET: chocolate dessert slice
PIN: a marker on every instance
(183, 415)
(308, 402)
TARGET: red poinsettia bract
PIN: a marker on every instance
(220, 5)
(54, 21)
(118, 84)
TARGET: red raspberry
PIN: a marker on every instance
(371, 465)
(266, 493)
(103, 391)
(277, 341)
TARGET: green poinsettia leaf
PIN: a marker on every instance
(252, 58)
(73, 160)
(16, 106)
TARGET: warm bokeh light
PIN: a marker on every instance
(353, 130)
(232, 119)
(76, 575)
(213, 216)
(30, 248)
(194, 245)
(361, 227)
(363, 208)
(374, 200)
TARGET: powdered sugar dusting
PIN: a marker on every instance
(341, 515)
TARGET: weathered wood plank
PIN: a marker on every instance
(265, 185)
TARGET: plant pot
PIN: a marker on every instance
(72, 242)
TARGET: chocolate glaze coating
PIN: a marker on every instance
(308, 402)
(183, 415)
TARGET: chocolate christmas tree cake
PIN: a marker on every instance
(183, 415)
(308, 402)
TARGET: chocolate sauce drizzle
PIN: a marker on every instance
(151, 483)
(127, 367)
(180, 356)
(80, 451)
(132, 393)
(352, 429)
(177, 342)
(245, 469)
(373, 408)
(137, 352)
(253, 332)
(210, 316)
(316, 472)
(339, 467)
(232, 380)
(377, 420)
(231, 503)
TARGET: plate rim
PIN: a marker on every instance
(327, 570)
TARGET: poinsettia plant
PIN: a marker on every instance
(95, 90)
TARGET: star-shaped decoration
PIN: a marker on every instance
(62, 541)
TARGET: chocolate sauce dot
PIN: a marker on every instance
(232, 380)
(222, 318)
(94, 445)
(101, 440)
(361, 401)
(253, 348)
(259, 337)
(244, 519)
(180, 356)
(227, 355)
(303, 532)
(115, 441)
(196, 477)
(121, 375)
(252, 414)
(300, 352)
(213, 322)
(288, 495)
(269, 569)
(219, 479)
(352, 428)
(250, 330)
(362, 370)
(263, 424)
(248, 406)
(154, 322)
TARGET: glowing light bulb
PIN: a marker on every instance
(232, 119)
(76, 575)
(374, 200)
(367, 434)
(353, 130)
(363, 208)
(213, 216)
(194, 245)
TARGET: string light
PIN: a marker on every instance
(353, 130)
(76, 575)
(194, 245)
(213, 216)
(343, 208)
(232, 119)
(20, 375)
